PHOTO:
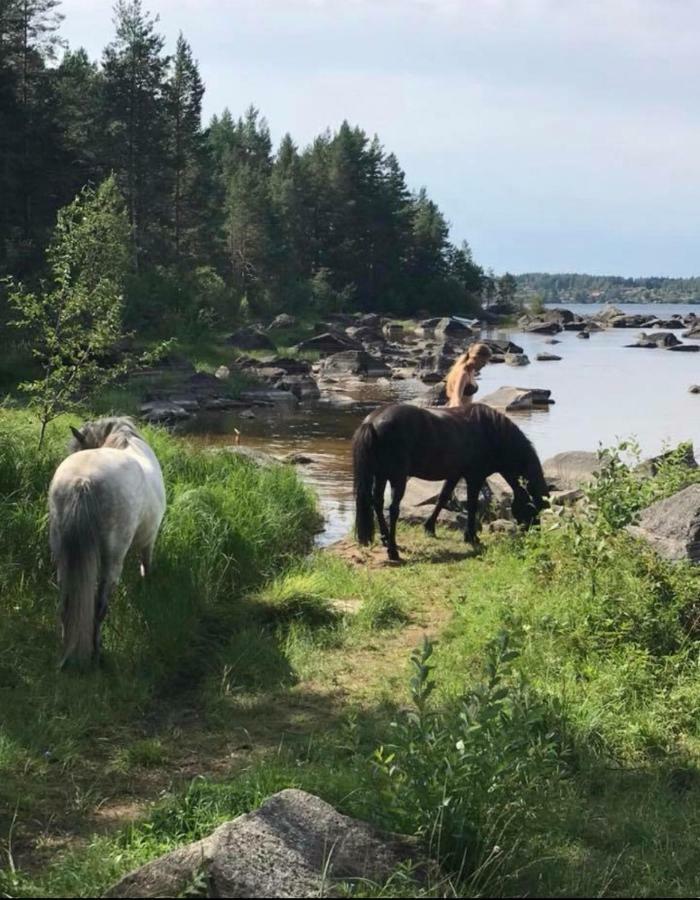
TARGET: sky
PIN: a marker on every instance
(555, 135)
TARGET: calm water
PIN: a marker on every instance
(603, 393)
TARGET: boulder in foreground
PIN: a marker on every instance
(672, 526)
(295, 845)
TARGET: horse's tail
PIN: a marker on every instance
(364, 465)
(76, 550)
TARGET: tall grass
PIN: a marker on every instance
(229, 526)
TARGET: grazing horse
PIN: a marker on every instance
(402, 440)
(106, 497)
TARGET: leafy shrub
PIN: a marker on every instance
(459, 775)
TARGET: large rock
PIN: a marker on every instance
(295, 845)
(365, 334)
(672, 526)
(453, 328)
(370, 320)
(663, 339)
(539, 327)
(303, 387)
(634, 320)
(517, 359)
(392, 330)
(608, 313)
(508, 399)
(571, 469)
(163, 412)
(355, 362)
(250, 339)
(438, 359)
(329, 342)
(284, 320)
(501, 347)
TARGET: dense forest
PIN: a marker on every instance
(570, 288)
(222, 223)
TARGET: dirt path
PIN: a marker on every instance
(93, 799)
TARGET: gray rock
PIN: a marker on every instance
(365, 334)
(329, 342)
(355, 362)
(517, 359)
(453, 328)
(250, 339)
(513, 398)
(163, 411)
(584, 335)
(501, 347)
(393, 330)
(543, 328)
(547, 357)
(694, 330)
(572, 469)
(672, 526)
(303, 387)
(284, 320)
(660, 339)
(694, 388)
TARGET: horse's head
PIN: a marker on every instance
(530, 500)
(115, 431)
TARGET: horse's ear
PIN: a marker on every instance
(78, 436)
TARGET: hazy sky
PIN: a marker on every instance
(556, 135)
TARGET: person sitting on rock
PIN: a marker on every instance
(460, 383)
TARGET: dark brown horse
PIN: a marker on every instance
(402, 440)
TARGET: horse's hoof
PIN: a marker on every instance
(429, 530)
(394, 556)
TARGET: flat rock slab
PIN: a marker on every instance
(572, 469)
(295, 845)
(672, 526)
(513, 398)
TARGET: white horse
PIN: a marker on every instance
(106, 497)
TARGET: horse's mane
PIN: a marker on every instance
(111, 431)
(504, 432)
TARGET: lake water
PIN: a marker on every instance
(603, 393)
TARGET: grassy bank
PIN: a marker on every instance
(544, 742)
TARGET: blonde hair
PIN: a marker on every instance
(478, 352)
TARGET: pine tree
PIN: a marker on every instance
(135, 125)
(30, 142)
(184, 93)
(78, 88)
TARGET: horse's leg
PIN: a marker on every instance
(110, 579)
(378, 500)
(146, 558)
(474, 485)
(445, 494)
(398, 487)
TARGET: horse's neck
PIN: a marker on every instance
(140, 449)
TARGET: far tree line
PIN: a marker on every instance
(222, 223)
